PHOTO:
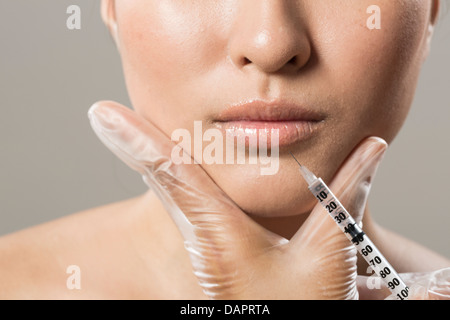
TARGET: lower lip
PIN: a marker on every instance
(289, 132)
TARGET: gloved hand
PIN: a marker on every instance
(428, 285)
(232, 256)
(422, 286)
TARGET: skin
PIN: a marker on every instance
(362, 80)
(340, 70)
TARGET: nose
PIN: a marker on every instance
(270, 36)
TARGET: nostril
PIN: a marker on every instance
(247, 61)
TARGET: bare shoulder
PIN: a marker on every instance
(56, 259)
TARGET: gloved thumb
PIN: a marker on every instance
(203, 213)
(351, 185)
(353, 181)
(335, 256)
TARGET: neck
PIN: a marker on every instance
(283, 226)
(167, 233)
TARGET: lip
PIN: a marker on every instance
(255, 118)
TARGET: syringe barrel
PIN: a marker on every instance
(355, 234)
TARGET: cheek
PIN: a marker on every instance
(158, 40)
(166, 49)
(373, 73)
(367, 77)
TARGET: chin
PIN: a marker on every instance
(280, 195)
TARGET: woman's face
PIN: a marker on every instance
(187, 61)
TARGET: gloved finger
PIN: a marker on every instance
(204, 214)
(372, 288)
(335, 254)
(351, 185)
(355, 179)
(427, 285)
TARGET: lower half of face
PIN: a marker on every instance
(187, 62)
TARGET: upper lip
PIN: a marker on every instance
(275, 110)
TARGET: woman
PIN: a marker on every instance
(333, 79)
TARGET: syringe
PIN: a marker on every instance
(355, 234)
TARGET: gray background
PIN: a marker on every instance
(52, 165)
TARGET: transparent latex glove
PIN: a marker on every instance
(232, 256)
(422, 286)
(428, 285)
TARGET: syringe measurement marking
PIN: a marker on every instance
(363, 244)
(354, 232)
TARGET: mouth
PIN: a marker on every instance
(252, 119)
